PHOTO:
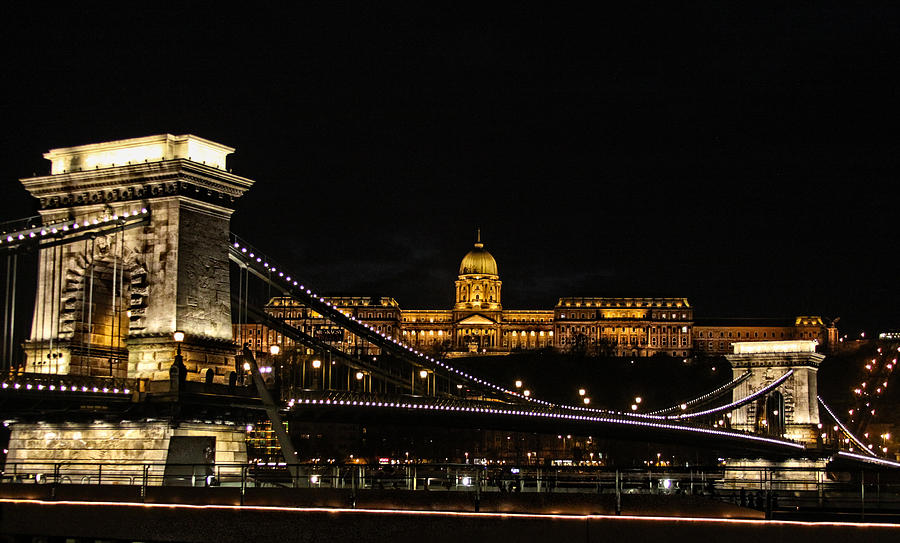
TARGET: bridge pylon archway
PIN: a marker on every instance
(108, 304)
(792, 410)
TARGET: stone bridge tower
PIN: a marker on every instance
(108, 305)
(791, 410)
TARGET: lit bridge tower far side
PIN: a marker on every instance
(791, 410)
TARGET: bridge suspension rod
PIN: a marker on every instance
(699, 400)
(265, 269)
(305, 339)
(731, 406)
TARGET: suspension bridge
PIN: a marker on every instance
(130, 340)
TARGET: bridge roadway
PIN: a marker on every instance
(338, 406)
(37, 395)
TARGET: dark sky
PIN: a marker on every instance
(745, 159)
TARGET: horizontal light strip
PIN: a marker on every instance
(410, 512)
(62, 388)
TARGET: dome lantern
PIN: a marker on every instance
(478, 261)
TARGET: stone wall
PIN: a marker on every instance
(115, 453)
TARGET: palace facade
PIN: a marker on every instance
(478, 324)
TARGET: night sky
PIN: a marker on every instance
(743, 159)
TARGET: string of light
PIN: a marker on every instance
(15, 385)
(542, 414)
(63, 228)
(295, 289)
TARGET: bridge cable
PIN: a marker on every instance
(844, 428)
(284, 440)
(12, 310)
(6, 362)
(59, 304)
(302, 337)
(51, 263)
(327, 311)
(240, 316)
(81, 329)
(42, 289)
(90, 316)
(735, 404)
(703, 398)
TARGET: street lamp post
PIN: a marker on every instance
(178, 369)
(423, 374)
(361, 377)
(275, 350)
(316, 364)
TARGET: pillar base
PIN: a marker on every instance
(775, 475)
(116, 453)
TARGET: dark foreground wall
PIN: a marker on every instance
(224, 524)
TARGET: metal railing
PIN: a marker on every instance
(767, 489)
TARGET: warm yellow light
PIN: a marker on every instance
(789, 346)
(582, 392)
(136, 151)
(317, 364)
(638, 399)
(359, 376)
(274, 349)
(526, 393)
(178, 335)
(423, 373)
(246, 366)
(587, 401)
(518, 383)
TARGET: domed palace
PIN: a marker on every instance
(478, 324)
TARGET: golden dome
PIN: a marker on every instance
(478, 261)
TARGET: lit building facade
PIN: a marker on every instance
(477, 323)
(716, 336)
